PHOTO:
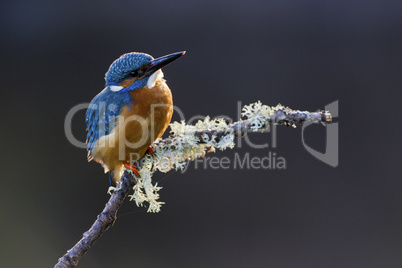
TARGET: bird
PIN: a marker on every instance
(130, 113)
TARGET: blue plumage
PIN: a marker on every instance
(102, 112)
(106, 106)
(121, 68)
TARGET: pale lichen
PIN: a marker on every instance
(259, 115)
(188, 142)
(183, 146)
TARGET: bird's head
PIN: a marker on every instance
(136, 70)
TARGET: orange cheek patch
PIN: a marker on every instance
(127, 82)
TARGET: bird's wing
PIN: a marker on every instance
(102, 114)
(96, 120)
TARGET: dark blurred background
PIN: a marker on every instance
(303, 54)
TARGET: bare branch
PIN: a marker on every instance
(103, 222)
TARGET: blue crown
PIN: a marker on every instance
(121, 68)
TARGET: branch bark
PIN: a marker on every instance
(109, 214)
(104, 221)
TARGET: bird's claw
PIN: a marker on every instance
(131, 167)
(150, 150)
(112, 189)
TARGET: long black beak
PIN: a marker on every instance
(161, 62)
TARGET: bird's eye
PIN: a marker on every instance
(134, 73)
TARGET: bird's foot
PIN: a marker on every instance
(150, 150)
(131, 167)
(113, 189)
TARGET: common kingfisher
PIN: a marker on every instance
(133, 110)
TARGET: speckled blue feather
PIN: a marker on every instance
(102, 112)
(120, 68)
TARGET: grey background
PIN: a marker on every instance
(303, 54)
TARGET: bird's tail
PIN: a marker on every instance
(115, 174)
(111, 181)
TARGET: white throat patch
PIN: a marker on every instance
(115, 88)
(154, 77)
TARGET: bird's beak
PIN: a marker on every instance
(161, 62)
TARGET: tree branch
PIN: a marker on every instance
(259, 118)
(103, 222)
(283, 116)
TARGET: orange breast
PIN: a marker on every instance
(147, 119)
